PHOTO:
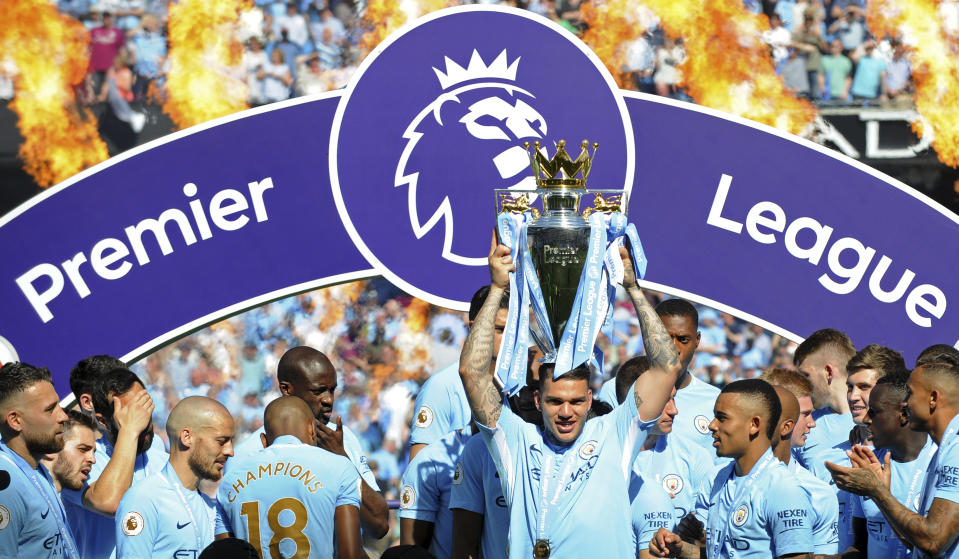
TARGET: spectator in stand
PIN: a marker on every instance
(290, 49)
(794, 74)
(254, 59)
(329, 52)
(252, 369)
(310, 78)
(74, 8)
(295, 25)
(388, 467)
(835, 74)
(898, 74)
(778, 38)
(808, 39)
(640, 65)
(851, 29)
(331, 22)
(276, 78)
(869, 83)
(148, 50)
(128, 12)
(668, 56)
(786, 10)
(105, 43)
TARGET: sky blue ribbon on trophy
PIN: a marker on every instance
(587, 317)
(636, 252)
(513, 354)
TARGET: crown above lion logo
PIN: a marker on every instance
(477, 70)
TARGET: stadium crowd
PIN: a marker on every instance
(287, 431)
(822, 48)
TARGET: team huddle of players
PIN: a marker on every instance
(849, 455)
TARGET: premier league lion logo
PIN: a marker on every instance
(435, 120)
(482, 112)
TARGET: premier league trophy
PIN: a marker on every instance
(558, 245)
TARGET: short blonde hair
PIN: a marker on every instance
(792, 381)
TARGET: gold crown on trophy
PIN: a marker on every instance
(545, 170)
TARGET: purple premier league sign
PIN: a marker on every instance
(394, 176)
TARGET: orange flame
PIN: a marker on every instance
(386, 16)
(728, 66)
(50, 53)
(417, 315)
(205, 80)
(612, 25)
(935, 66)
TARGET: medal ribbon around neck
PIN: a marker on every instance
(61, 517)
(716, 525)
(547, 503)
(178, 487)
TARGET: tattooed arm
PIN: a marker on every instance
(656, 385)
(933, 534)
(484, 398)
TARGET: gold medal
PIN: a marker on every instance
(541, 549)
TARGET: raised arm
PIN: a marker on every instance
(485, 400)
(656, 385)
(103, 495)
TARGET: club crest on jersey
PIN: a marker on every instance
(458, 474)
(424, 417)
(132, 523)
(440, 112)
(4, 517)
(701, 423)
(407, 497)
(588, 449)
(673, 484)
(741, 514)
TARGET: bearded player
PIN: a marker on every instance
(566, 483)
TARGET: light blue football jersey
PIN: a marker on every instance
(441, 406)
(837, 455)
(95, 533)
(160, 518)
(762, 514)
(907, 483)
(651, 509)
(568, 495)
(476, 488)
(33, 523)
(695, 404)
(831, 429)
(942, 477)
(607, 392)
(824, 508)
(679, 468)
(426, 488)
(351, 444)
(282, 498)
